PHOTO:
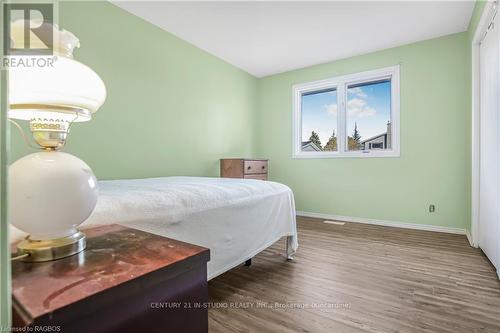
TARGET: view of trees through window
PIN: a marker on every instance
(367, 118)
(319, 120)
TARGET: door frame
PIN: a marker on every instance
(476, 122)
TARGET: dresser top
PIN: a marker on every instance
(245, 159)
(114, 255)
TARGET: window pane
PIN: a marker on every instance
(319, 121)
(368, 117)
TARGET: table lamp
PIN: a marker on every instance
(52, 192)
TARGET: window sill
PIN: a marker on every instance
(372, 154)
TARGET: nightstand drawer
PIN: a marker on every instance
(252, 167)
(259, 176)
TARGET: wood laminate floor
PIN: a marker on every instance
(360, 278)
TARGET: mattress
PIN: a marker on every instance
(234, 218)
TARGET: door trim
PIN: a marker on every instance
(476, 121)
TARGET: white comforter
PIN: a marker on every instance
(235, 218)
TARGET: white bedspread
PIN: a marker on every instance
(235, 218)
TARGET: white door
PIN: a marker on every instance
(489, 182)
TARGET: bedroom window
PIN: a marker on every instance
(350, 116)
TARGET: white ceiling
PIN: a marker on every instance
(265, 38)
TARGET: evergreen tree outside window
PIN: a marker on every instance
(315, 139)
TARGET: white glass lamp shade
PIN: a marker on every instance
(59, 89)
(67, 88)
(51, 193)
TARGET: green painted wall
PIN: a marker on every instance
(435, 120)
(5, 296)
(172, 109)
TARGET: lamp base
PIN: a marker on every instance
(52, 249)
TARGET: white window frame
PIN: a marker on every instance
(340, 83)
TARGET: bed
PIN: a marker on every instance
(235, 218)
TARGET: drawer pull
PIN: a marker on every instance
(249, 167)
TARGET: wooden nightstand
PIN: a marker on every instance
(243, 168)
(125, 281)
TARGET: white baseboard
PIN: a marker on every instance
(469, 238)
(396, 224)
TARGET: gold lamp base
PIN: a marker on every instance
(52, 249)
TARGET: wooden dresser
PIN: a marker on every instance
(248, 168)
(126, 280)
